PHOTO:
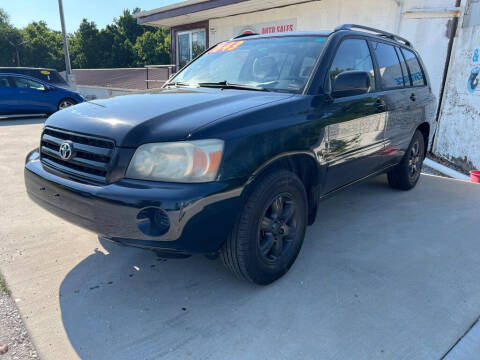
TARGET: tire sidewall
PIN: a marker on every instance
(71, 101)
(416, 137)
(260, 270)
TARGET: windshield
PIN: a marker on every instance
(275, 64)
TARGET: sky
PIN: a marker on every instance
(102, 12)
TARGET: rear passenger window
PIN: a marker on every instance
(416, 71)
(406, 77)
(4, 82)
(352, 54)
(389, 66)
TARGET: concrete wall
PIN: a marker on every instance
(148, 77)
(428, 33)
(458, 134)
(99, 92)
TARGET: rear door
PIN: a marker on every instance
(419, 95)
(394, 83)
(356, 124)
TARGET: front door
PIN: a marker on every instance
(32, 96)
(356, 124)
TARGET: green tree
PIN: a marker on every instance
(8, 35)
(85, 47)
(123, 34)
(123, 43)
(153, 47)
(43, 47)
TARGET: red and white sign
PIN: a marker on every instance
(273, 27)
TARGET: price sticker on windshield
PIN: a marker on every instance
(226, 46)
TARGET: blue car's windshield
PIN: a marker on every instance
(275, 64)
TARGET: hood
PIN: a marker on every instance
(167, 115)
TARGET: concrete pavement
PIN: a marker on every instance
(382, 274)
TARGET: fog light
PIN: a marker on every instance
(153, 221)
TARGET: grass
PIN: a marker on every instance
(3, 286)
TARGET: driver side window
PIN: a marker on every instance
(352, 54)
(27, 84)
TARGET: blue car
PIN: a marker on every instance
(25, 95)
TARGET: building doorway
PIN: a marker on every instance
(190, 44)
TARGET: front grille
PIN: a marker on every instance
(90, 158)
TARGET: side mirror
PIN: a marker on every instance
(350, 83)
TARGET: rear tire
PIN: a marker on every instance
(406, 174)
(269, 232)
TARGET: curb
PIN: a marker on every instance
(445, 170)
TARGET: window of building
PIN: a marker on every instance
(391, 75)
(352, 54)
(416, 71)
(190, 44)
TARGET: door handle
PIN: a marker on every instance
(413, 97)
(380, 105)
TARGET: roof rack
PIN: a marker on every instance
(373, 30)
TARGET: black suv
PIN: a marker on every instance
(233, 155)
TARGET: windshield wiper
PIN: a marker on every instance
(226, 85)
(177, 83)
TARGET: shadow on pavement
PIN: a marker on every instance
(22, 121)
(382, 273)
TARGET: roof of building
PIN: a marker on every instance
(191, 11)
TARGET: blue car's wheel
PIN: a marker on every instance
(64, 103)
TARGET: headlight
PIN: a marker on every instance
(183, 161)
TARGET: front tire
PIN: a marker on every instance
(406, 174)
(269, 233)
(67, 102)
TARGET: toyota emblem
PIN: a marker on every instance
(66, 150)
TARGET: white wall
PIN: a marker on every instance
(428, 35)
(458, 136)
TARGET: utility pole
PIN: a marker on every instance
(68, 68)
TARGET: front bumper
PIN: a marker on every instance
(187, 218)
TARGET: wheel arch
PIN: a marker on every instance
(66, 98)
(424, 128)
(305, 166)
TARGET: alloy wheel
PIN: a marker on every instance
(64, 104)
(278, 227)
(414, 161)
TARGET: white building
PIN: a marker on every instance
(430, 25)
